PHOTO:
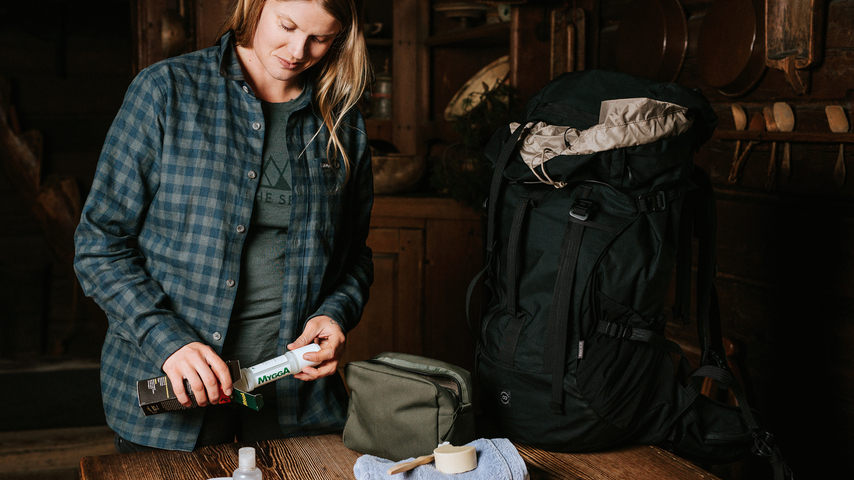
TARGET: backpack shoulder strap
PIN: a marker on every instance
(705, 220)
(713, 355)
(506, 152)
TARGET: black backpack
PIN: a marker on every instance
(592, 207)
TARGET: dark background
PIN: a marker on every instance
(785, 259)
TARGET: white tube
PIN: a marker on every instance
(276, 368)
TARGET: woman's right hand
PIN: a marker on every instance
(205, 371)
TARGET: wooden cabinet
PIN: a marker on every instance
(392, 317)
(426, 252)
(395, 47)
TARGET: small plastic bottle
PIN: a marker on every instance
(276, 368)
(246, 469)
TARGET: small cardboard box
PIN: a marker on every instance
(156, 395)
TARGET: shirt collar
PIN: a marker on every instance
(229, 67)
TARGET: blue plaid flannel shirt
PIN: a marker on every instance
(162, 230)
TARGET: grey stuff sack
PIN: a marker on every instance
(404, 406)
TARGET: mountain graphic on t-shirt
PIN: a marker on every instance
(276, 175)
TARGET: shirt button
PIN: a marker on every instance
(241, 229)
(256, 125)
(246, 89)
(217, 336)
(252, 174)
(230, 282)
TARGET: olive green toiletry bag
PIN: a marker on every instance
(404, 406)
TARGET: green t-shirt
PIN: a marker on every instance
(254, 329)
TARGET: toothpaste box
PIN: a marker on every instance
(156, 395)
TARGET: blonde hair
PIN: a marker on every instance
(339, 78)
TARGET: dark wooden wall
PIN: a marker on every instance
(785, 261)
(785, 278)
(65, 67)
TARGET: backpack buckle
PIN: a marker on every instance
(617, 330)
(652, 202)
(581, 209)
(763, 444)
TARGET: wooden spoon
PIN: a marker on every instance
(740, 119)
(771, 126)
(785, 119)
(757, 124)
(407, 466)
(838, 123)
(448, 458)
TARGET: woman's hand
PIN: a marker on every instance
(203, 368)
(330, 336)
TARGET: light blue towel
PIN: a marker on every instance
(497, 459)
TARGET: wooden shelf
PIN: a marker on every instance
(427, 206)
(791, 137)
(483, 36)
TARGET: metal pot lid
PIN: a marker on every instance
(731, 45)
(652, 39)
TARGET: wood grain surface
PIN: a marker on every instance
(325, 457)
(303, 458)
(635, 462)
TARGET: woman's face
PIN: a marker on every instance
(292, 36)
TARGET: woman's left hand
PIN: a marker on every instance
(330, 336)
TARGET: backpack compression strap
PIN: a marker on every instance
(507, 352)
(554, 355)
(492, 201)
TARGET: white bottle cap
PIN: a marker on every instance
(246, 458)
(297, 362)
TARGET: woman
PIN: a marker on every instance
(227, 220)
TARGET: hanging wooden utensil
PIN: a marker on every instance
(794, 39)
(740, 119)
(785, 119)
(838, 123)
(757, 124)
(771, 126)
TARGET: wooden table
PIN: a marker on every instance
(325, 457)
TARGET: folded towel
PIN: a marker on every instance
(497, 459)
